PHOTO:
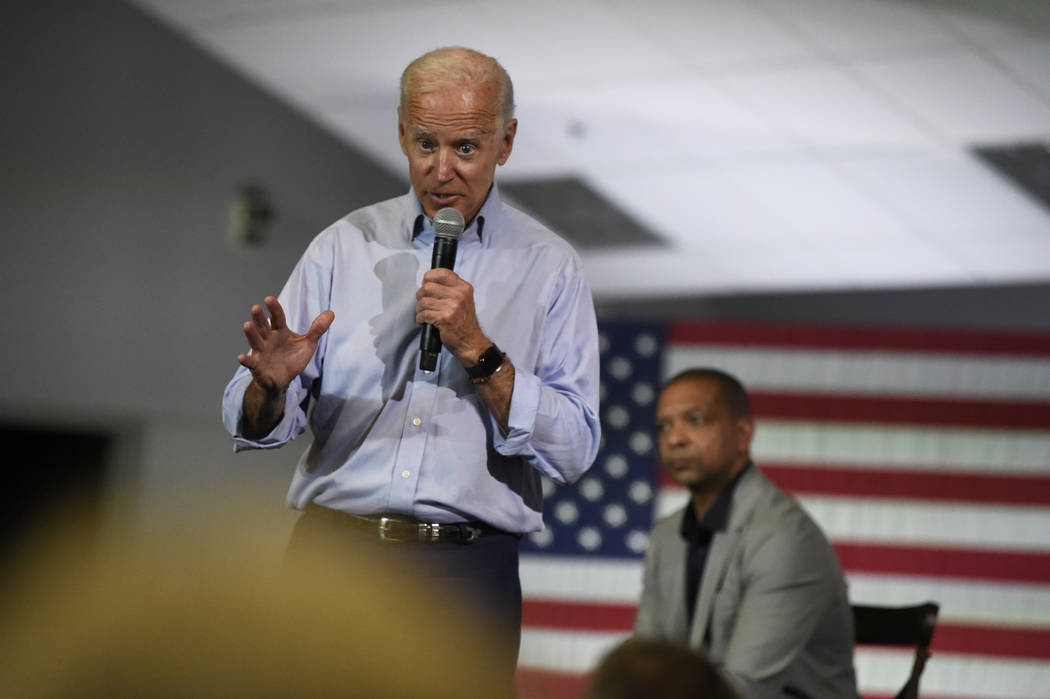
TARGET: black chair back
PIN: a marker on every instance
(898, 626)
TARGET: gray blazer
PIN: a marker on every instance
(772, 610)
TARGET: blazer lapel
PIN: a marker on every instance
(723, 544)
(675, 591)
(718, 556)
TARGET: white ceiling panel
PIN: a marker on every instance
(717, 35)
(779, 204)
(949, 197)
(701, 211)
(827, 106)
(321, 55)
(821, 205)
(963, 97)
(554, 43)
(1021, 257)
(851, 29)
(868, 264)
(760, 268)
(992, 23)
(605, 128)
(1029, 63)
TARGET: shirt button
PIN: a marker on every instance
(416, 421)
(405, 474)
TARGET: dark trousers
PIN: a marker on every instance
(480, 578)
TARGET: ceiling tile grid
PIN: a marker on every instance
(1029, 62)
(963, 97)
(861, 29)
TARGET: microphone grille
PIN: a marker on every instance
(448, 223)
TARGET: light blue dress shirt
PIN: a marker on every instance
(390, 438)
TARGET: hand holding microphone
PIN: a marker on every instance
(448, 227)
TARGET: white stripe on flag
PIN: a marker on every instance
(919, 522)
(963, 602)
(565, 651)
(962, 449)
(951, 674)
(871, 372)
(581, 579)
(1012, 528)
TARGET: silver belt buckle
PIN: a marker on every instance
(385, 525)
(472, 533)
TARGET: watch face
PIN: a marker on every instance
(488, 362)
(491, 357)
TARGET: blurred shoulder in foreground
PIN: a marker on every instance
(202, 613)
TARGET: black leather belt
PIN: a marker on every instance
(402, 529)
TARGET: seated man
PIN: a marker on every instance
(742, 571)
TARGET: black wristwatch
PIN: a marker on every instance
(490, 361)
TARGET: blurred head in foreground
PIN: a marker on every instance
(650, 669)
(202, 614)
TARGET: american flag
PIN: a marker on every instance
(923, 454)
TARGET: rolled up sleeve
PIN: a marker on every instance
(553, 418)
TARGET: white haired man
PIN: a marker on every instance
(446, 464)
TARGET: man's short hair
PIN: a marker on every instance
(455, 64)
(731, 393)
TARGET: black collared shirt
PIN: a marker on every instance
(698, 533)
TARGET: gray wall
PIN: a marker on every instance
(123, 295)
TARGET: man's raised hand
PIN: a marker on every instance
(279, 355)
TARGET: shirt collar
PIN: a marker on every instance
(487, 215)
(714, 520)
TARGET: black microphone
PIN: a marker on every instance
(448, 227)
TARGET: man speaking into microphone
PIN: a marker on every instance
(438, 468)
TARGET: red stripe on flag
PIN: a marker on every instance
(953, 486)
(1010, 642)
(579, 616)
(534, 683)
(945, 562)
(868, 695)
(1015, 642)
(901, 410)
(860, 338)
